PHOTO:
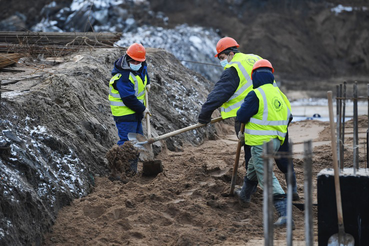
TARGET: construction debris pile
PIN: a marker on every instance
(59, 127)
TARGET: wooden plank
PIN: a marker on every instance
(34, 49)
(60, 38)
(8, 59)
(9, 82)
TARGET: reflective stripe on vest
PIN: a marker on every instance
(261, 128)
(117, 106)
(242, 63)
(265, 121)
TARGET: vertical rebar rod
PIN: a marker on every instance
(367, 133)
(338, 121)
(356, 152)
(268, 194)
(289, 195)
(340, 149)
(308, 191)
(343, 126)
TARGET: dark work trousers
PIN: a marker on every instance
(282, 163)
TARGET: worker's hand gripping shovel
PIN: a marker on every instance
(142, 143)
(241, 142)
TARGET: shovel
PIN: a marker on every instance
(340, 238)
(150, 167)
(237, 160)
(141, 142)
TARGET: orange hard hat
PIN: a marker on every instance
(262, 63)
(137, 52)
(225, 43)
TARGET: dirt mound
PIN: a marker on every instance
(120, 158)
(187, 203)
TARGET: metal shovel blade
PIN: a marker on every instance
(138, 140)
(339, 239)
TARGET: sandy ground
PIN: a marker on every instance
(187, 204)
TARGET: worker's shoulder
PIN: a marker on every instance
(253, 55)
(124, 75)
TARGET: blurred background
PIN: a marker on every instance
(312, 44)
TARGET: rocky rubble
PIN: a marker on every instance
(57, 128)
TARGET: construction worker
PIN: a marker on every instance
(127, 90)
(266, 115)
(230, 91)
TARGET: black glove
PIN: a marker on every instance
(290, 120)
(204, 121)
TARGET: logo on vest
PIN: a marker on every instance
(277, 104)
(251, 61)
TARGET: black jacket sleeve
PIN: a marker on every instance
(133, 103)
(249, 108)
(223, 90)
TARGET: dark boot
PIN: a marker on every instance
(133, 167)
(244, 194)
(295, 195)
(280, 204)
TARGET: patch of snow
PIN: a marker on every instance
(11, 94)
(340, 8)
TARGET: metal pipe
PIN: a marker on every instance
(308, 190)
(343, 127)
(356, 152)
(268, 194)
(289, 195)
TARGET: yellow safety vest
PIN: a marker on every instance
(272, 118)
(243, 64)
(116, 103)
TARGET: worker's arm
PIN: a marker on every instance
(223, 90)
(249, 108)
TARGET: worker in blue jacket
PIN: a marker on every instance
(127, 90)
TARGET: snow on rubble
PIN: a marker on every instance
(193, 46)
(31, 172)
(28, 148)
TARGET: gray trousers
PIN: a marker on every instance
(255, 169)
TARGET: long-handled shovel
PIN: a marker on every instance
(340, 238)
(143, 143)
(150, 167)
(237, 160)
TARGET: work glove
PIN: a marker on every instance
(241, 137)
(147, 111)
(290, 119)
(202, 121)
(148, 87)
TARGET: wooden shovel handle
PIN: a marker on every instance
(148, 125)
(188, 128)
(335, 164)
(237, 160)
